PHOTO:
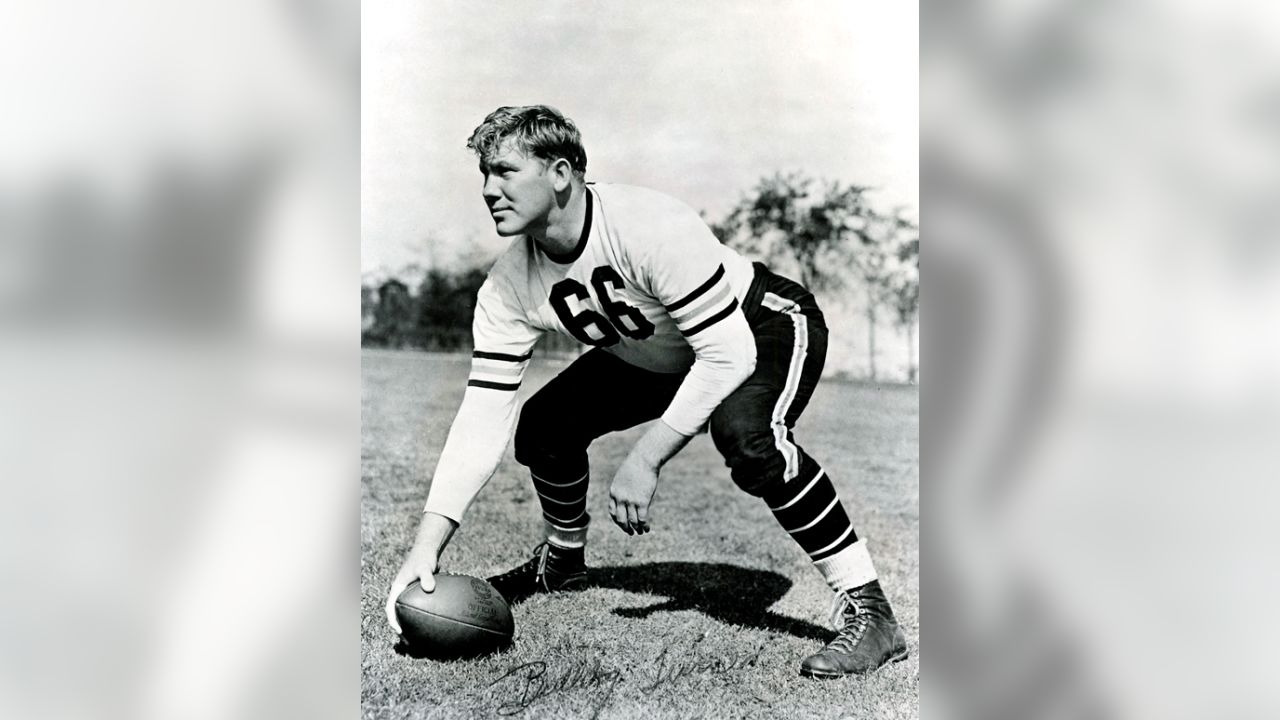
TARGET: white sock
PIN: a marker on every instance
(565, 538)
(849, 568)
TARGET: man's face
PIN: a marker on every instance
(518, 191)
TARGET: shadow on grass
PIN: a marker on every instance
(727, 593)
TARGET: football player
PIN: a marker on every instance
(683, 330)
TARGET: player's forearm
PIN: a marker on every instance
(726, 356)
(659, 444)
(476, 441)
(434, 532)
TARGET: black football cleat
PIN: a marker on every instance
(868, 638)
(551, 569)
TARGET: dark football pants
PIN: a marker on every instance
(596, 395)
(752, 427)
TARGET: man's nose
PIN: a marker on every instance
(492, 188)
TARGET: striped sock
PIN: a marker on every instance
(809, 509)
(564, 506)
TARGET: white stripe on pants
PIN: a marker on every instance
(799, 352)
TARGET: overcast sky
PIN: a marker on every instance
(696, 99)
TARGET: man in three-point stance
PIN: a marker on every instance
(683, 330)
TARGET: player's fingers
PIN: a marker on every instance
(620, 518)
(617, 513)
(633, 521)
(391, 609)
(426, 578)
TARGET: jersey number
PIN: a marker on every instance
(622, 318)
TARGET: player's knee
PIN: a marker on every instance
(749, 451)
(533, 444)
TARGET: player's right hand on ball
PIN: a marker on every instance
(421, 564)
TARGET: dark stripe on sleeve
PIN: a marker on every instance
(702, 289)
(711, 320)
(493, 385)
(501, 356)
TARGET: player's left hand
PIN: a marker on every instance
(631, 494)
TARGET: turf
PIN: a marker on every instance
(706, 616)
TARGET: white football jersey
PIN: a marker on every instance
(647, 282)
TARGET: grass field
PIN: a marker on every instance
(708, 616)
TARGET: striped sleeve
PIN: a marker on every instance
(706, 305)
(503, 338)
(497, 371)
(685, 266)
(504, 342)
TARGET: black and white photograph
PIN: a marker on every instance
(640, 311)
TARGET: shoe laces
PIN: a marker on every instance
(840, 605)
(537, 564)
(849, 624)
(543, 550)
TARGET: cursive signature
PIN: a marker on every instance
(534, 681)
(525, 684)
(672, 668)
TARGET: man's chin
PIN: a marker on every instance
(506, 229)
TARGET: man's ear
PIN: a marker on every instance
(561, 174)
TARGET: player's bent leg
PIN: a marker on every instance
(595, 395)
(770, 465)
(868, 635)
(753, 431)
(747, 443)
(558, 466)
(809, 509)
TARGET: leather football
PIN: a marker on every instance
(463, 617)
